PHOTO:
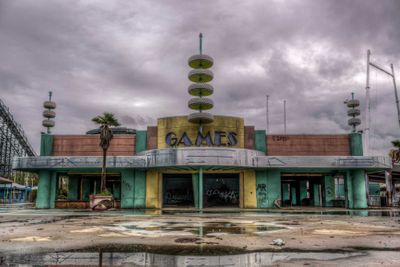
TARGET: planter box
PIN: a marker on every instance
(96, 199)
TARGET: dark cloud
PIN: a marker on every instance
(130, 58)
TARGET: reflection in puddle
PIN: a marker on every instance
(167, 228)
(149, 259)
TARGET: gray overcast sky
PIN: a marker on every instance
(130, 58)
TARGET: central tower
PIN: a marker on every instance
(200, 75)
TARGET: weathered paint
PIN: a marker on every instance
(249, 189)
(46, 145)
(294, 195)
(261, 189)
(348, 183)
(44, 188)
(141, 141)
(195, 183)
(285, 192)
(359, 190)
(73, 188)
(374, 189)
(139, 186)
(86, 189)
(329, 187)
(53, 190)
(152, 190)
(268, 188)
(317, 198)
(356, 147)
(127, 189)
(260, 141)
(180, 124)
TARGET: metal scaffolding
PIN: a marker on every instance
(13, 142)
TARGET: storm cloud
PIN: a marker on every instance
(130, 58)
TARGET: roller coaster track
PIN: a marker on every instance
(13, 142)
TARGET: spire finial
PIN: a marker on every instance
(50, 94)
(201, 43)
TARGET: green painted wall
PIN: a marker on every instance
(140, 189)
(359, 190)
(53, 190)
(43, 192)
(141, 141)
(348, 184)
(285, 193)
(86, 189)
(294, 195)
(195, 183)
(268, 188)
(133, 189)
(317, 199)
(73, 188)
(260, 140)
(356, 148)
(329, 187)
(46, 145)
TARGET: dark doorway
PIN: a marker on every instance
(221, 190)
(300, 190)
(178, 190)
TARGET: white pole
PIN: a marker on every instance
(395, 93)
(284, 116)
(367, 109)
(267, 114)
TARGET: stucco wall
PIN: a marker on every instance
(308, 145)
(88, 145)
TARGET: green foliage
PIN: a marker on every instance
(106, 119)
(396, 143)
(105, 193)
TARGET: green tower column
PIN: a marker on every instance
(139, 196)
(195, 182)
(359, 190)
(260, 139)
(127, 189)
(356, 148)
(348, 185)
(73, 188)
(44, 189)
(46, 145)
(329, 184)
(200, 188)
(141, 141)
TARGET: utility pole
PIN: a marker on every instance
(367, 101)
(267, 114)
(284, 117)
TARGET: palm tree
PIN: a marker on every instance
(106, 121)
(395, 153)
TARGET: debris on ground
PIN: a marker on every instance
(278, 242)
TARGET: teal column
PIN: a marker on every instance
(127, 189)
(317, 198)
(141, 141)
(117, 192)
(294, 195)
(195, 182)
(303, 191)
(356, 148)
(260, 139)
(359, 190)
(261, 189)
(86, 189)
(46, 145)
(44, 189)
(73, 188)
(53, 190)
(285, 192)
(273, 187)
(139, 186)
(329, 184)
(200, 188)
(348, 184)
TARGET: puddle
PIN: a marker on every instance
(210, 228)
(150, 259)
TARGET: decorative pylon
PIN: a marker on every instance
(200, 75)
(49, 114)
(353, 112)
